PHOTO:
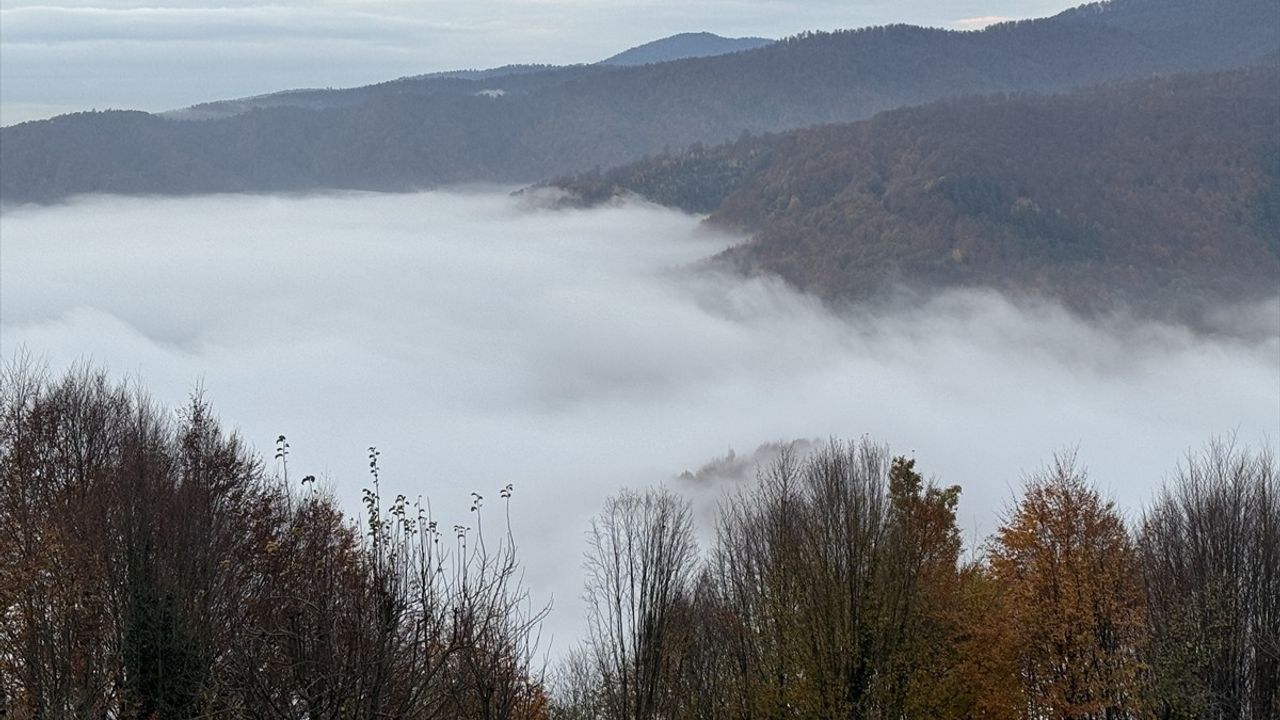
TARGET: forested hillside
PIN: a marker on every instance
(526, 126)
(153, 569)
(1160, 192)
(513, 79)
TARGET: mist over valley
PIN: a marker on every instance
(477, 339)
(920, 371)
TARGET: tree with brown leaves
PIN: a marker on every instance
(1069, 576)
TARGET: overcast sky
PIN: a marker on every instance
(60, 56)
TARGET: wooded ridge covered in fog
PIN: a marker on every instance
(1121, 157)
(428, 131)
(154, 568)
(1163, 194)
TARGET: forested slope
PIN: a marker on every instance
(420, 132)
(1163, 192)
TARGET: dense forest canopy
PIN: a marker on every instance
(417, 132)
(152, 566)
(1160, 193)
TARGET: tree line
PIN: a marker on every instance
(837, 588)
(153, 567)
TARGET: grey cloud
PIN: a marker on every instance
(477, 342)
(741, 470)
(48, 25)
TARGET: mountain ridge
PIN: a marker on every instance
(414, 133)
(1160, 194)
(674, 47)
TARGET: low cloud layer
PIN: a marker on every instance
(477, 342)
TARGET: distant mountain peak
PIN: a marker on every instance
(682, 46)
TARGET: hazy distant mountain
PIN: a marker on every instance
(525, 126)
(518, 78)
(676, 47)
(682, 46)
(1158, 193)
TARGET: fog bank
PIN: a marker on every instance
(478, 342)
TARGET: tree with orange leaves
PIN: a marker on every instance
(1074, 604)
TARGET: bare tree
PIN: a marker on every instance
(1210, 556)
(832, 584)
(492, 675)
(151, 569)
(641, 559)
(575, 687)
(705, 689)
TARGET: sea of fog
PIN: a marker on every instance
(478, 341)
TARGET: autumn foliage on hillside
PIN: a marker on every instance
(152, 568)
(1162, 193)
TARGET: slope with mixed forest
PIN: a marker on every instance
(1163, 193)
(418, 132)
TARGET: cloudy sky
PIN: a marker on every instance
(59, 56)
(478, 342)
